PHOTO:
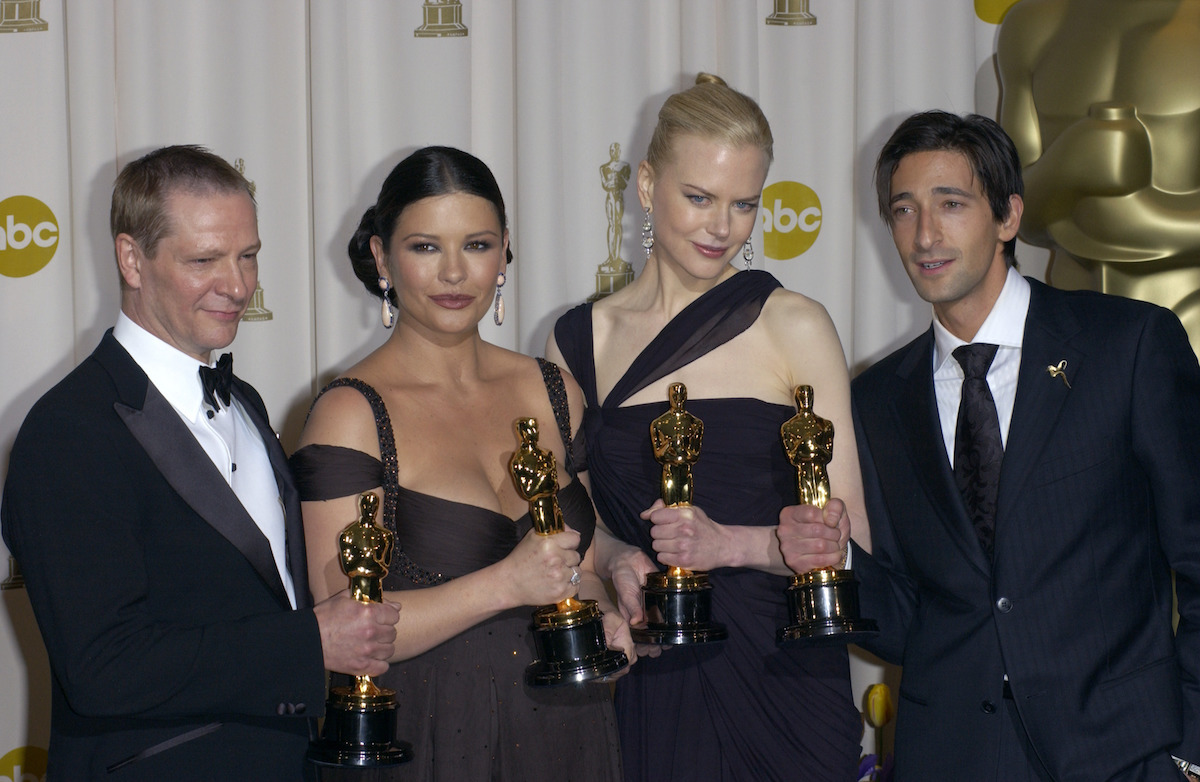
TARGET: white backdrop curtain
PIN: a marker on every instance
(319, 99)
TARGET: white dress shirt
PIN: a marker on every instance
(227, 435)
(1004, 326)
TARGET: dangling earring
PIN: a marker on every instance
(647, 233)
(498, 309)
(386, 314)
(748, 252)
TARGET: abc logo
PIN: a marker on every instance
(791, 217)
(24, 764)
(28, 236)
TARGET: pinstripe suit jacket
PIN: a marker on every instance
(1099, 500)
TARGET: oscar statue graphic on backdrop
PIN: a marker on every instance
(822, 603)
(22, 16)
(1102, 99)
(568, 636)
(255, 310)
(615, 273)
(360, 720)
(441, 19)
(790, 13)
(678, 602)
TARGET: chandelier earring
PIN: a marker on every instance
(498, 308)
(647, 233)
(748, 252)
(386, 313)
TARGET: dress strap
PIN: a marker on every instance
(557, 391)
(391, 479)
(717, 316)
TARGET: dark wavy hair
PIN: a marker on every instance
(989, 150)
(431, 171)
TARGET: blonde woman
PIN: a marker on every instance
(742, 708)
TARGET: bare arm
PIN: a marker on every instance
(536, 572)
(810, 342)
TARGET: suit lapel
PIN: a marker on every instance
(1040, 395)
(914, 408)
(184, 464)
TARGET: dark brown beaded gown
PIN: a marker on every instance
(463, 705)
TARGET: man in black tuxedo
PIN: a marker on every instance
(156, 523)
(1028, 498)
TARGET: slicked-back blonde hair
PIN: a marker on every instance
(711, 110)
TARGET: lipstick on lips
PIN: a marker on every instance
(709, 251)
(452, 301)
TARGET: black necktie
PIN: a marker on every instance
(978, 449)
(217, 381)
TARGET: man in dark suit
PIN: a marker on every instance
(157, 525)
(1031, 470)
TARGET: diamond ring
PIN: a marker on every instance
(574, 576)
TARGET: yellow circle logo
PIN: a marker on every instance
(28, 236)
(993, 11)
(24, 764)
(791, 217)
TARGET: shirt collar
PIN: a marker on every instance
(1004, 326)
(174, 373)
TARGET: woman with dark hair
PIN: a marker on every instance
(743, 708)
(426, 420)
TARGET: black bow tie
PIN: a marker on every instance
(217, 381)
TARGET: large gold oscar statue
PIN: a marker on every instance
(1102, 98)
(822, 603)
(678, 601)
(569, 635)
(360, 720)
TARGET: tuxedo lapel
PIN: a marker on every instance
(1040, 394)
(184, 464)
(914, 409)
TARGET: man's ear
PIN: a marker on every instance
(130, 260)
(1011, 224)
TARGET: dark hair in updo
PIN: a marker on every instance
(431, 171)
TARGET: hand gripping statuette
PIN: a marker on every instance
(568, 636)
(678, 602)
(822, 603)
(360, 720)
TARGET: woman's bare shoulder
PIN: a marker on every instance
(341, 416)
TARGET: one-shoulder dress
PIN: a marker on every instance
(463, 704)
(744, 708)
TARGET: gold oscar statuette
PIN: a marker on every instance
(568, 636)
(678, 602)
(822, 603)
(360, 719)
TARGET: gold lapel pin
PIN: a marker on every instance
(1059, 371)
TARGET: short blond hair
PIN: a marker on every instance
(711, 110)
(139, 198)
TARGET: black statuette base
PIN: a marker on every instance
(824, 611)
(571, 648)
(358, 735)
(678, 611)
